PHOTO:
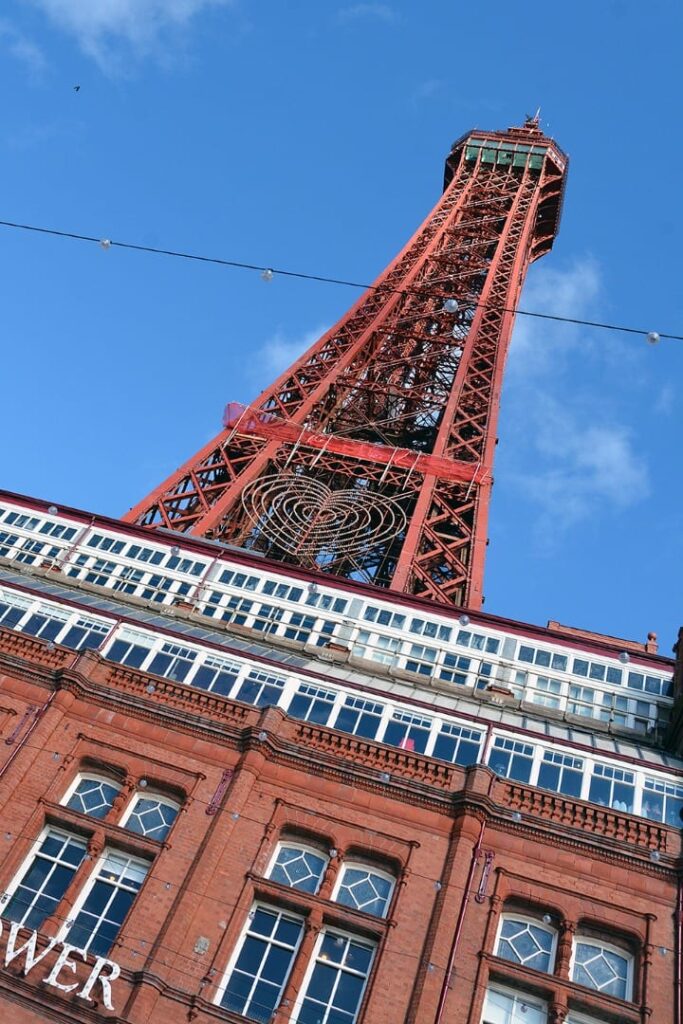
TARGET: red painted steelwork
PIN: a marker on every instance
(399, 401)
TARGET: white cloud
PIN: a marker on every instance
(141, 24)
(378, 12)
(280, 352)
(538, 344)
(578, 466)
(21, 47)
(425, 91)
(572, 453)
(666, 400)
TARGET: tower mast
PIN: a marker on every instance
(371, 457)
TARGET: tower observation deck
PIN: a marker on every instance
(371, 457)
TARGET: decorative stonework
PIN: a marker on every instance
(600, 821)
(385, 759)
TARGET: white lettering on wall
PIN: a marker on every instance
(105, 971)
(29, 948)
(104, 979)
(63, 961)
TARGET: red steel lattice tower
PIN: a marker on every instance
(371, 456)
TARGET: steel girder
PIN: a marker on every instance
(400, 398)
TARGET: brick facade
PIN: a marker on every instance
(584, 867)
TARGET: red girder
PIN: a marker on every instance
(401, 397)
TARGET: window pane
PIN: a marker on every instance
(526, 943)
(505, 1007)
(260, 689)
(457, 744)
(107, 903)
(94, 797)
(601, 968)
(360, 717)
(298, 867)
(335, 988)
(408, 731)
(256, 981)
(365, 890)
(511, 759)
(151, 817)
(46, 879)
(312, 704)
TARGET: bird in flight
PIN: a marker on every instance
(76, 88)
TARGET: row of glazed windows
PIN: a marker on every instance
(505, 153)
(107, 567)
(265, 953)
(47, 621)
(337, 971)
(620, 710)
(627, 790)
(252, 988)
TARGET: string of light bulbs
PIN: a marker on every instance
(269, 273)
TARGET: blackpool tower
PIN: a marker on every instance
(371, 457)
(264, 757)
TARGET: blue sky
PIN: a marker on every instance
(312, 136)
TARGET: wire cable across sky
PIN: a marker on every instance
(270, 272)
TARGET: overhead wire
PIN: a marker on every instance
(107, 243)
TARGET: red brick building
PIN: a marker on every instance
(235, 789)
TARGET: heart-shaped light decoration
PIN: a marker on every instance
(309, 520)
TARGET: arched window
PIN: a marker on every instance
(603, 967)
(364, 888)
(298, 866)
(526, 941)
(92, 794)
(151, 816)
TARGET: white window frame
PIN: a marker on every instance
(18, 601)
(135, 638)
(547, 692)
(633, 783)
(361, 865)
(21, 870)
(446, 724)
(599, 944)
(216, 662)
(581, 1018)
(527, 919)
(244, 934)
(297, 685)
(294, 843)
(585, 771)
(409, 718)
(313, 962)
(55, 613)
(86, 776)
(519, 1016)
(167, 801)
(89, 884)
